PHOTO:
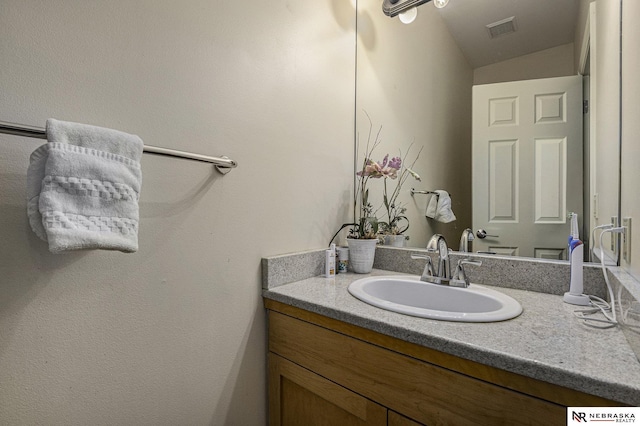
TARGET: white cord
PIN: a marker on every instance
(598, 304)
(593, 237)
(612, 299)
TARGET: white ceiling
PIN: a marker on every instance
(541, 24)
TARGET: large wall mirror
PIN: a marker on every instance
(458, 80)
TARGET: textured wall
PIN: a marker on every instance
(174, 334)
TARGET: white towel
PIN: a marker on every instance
(83, 188)
(439, 207)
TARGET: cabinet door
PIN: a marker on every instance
(298, 396)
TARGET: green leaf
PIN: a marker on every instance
(374, 224)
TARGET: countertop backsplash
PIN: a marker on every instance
(540, 275)
(543, 276)
(289, 268)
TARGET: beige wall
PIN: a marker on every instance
(414, 82)
(631, 128)
(173, 334)
(555, 62)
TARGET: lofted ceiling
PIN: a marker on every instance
(541, 24)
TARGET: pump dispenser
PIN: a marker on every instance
(575, 294)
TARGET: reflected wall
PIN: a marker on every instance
(414, 82)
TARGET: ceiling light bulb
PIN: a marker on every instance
(440, 3)
(408, 16)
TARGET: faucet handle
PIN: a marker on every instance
(428, 268)
(460, 270)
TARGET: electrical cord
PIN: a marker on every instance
(593, 237)
(607, 309)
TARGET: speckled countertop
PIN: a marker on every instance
(546, 342)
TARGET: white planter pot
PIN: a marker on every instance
(395, 240)
(361, 254)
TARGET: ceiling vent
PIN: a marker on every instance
(502, 27)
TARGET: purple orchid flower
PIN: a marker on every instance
(395, 163)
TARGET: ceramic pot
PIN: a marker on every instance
(361, 254)
(395, 240)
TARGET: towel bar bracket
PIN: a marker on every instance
(224, 169)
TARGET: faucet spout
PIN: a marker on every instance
(438, 243)
(443, 275)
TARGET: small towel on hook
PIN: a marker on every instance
(439, 207)
(83, 188)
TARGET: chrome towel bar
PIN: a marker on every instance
(223, 164)
(415, 191)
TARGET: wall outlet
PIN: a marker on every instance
(626, 239)
(594, 208)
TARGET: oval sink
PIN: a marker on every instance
(410, 296)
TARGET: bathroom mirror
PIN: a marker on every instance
(414, 85)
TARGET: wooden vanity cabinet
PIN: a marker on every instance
(301, 397)
(327, 372)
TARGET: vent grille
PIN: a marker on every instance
(500, 28)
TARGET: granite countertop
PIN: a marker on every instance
(546, 342)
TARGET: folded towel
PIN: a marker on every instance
(439, 207)
(83, 188)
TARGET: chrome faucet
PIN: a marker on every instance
(443, 273)
(465, 239)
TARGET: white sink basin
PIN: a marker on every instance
(410, 296)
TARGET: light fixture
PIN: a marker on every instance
(408, 16)
(440, 3)
(395, 7)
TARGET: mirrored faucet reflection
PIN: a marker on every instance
(465, 240)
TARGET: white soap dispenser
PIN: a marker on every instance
(575, 294)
